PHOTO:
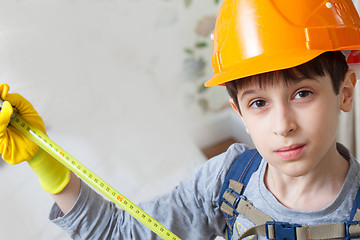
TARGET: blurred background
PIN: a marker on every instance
(119, 84)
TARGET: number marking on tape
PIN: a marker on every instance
(89, 176)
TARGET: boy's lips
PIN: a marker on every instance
(290, 152)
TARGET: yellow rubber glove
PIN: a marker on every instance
(16, 147)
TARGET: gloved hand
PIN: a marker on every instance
(16, 147)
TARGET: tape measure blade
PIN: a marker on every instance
(90, 177)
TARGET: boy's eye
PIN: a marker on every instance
(258, 104)
(303, 94)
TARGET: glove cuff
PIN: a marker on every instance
(53, 176)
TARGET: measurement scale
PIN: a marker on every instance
(88, 176)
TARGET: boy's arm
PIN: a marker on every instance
(68, 196)
(16, 148)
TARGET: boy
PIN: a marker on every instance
(289, 102)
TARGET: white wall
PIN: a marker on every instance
(108, 78)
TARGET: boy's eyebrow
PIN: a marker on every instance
(251, 91)
(247, 92)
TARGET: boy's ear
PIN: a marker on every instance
(231, 100)
(347, 91)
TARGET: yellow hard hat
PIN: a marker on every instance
(257, 36)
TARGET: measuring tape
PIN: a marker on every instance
(89, 176)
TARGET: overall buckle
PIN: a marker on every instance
(237, 200)
(347, 227)
(282, 230)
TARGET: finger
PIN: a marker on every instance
(4, 89)
(20, 103)
(5, 115)
(26, 110)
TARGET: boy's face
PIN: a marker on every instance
(294, 126)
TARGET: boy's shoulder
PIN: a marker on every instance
(227, 158)
(234, 151)
(212, 173)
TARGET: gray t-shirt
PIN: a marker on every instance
(191, 209)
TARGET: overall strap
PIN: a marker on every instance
(355, 211)
(281, 230)
(231, 193)
(286, 231)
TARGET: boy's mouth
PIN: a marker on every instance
(290, 152)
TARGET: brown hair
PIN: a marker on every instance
(333, 63)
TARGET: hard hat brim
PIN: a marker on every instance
(251, 66)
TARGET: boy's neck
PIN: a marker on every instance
(313, 191)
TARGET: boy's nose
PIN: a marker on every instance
(284, 122)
